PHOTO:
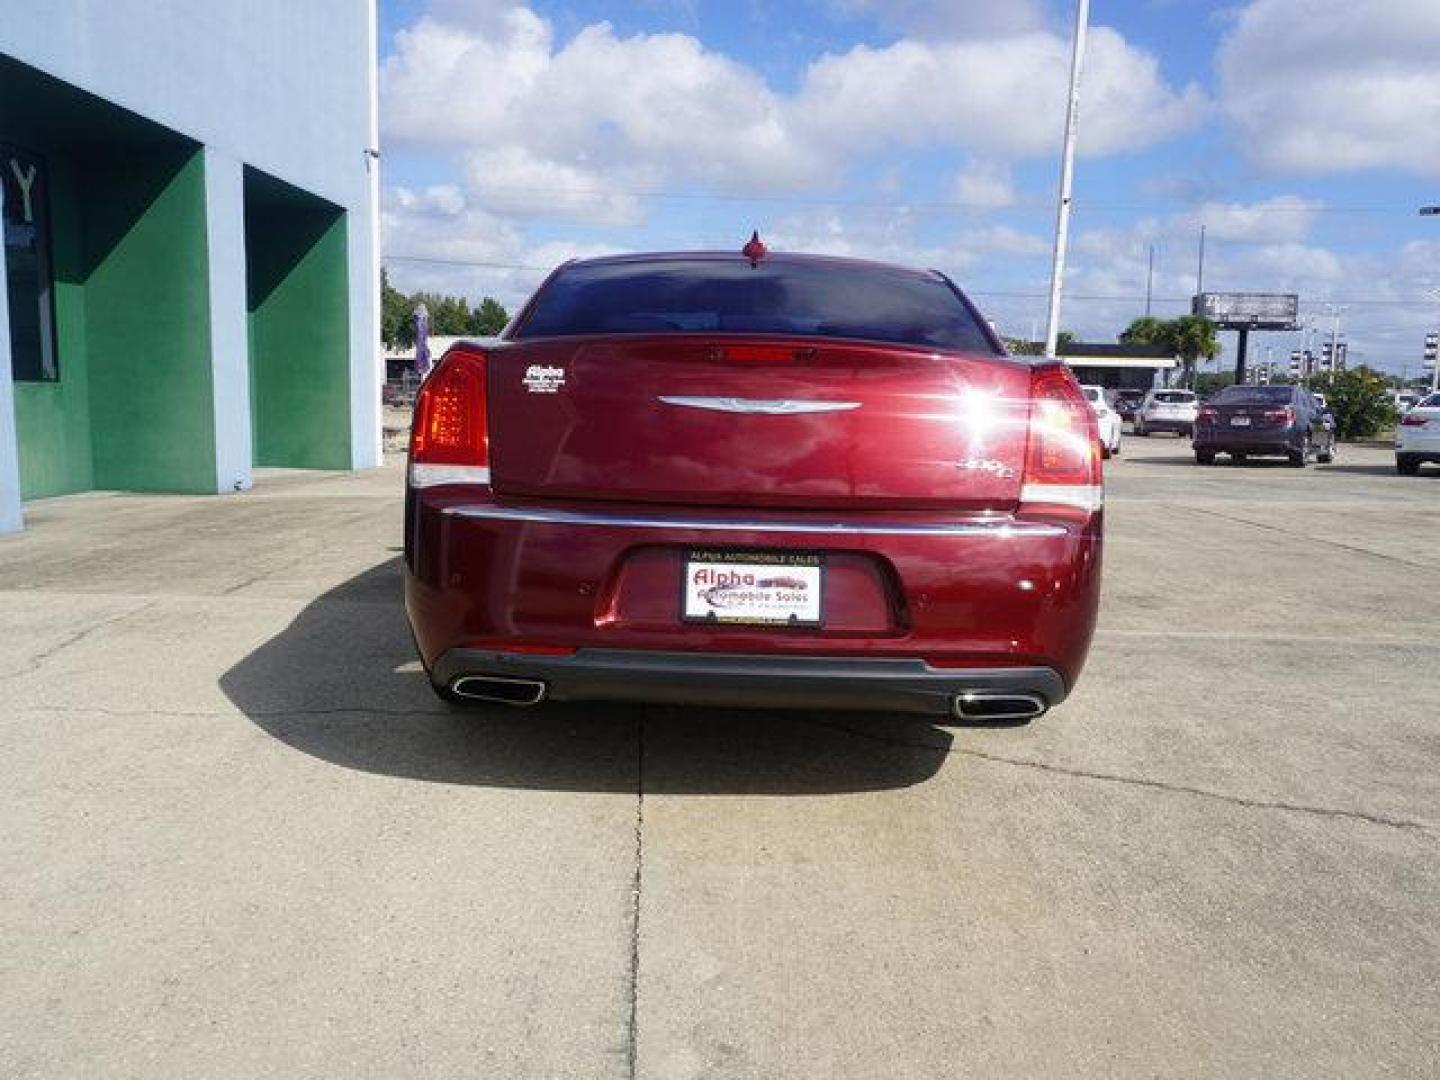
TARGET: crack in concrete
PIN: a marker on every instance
(632, 1028)
(36, 662)
(1140, 781)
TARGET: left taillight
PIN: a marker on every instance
(450, 435)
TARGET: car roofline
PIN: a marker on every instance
(641, 257)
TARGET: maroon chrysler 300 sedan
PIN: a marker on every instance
(756, 480)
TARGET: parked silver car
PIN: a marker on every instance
(1167, 410)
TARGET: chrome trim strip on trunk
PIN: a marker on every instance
(761, 406)
(1000, 527)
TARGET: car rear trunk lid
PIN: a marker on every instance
(699, 419)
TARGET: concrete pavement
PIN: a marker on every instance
(242, 839)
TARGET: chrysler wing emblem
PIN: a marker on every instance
(763, 406)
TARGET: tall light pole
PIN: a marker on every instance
(1335, 311)
(1433, 211)
(1150, 279)
(1067, 176)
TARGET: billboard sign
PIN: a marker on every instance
(1249, 311)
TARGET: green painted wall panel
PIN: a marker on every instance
(298, 285)
(147, 320)
(53, 419)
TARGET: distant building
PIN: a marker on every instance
(190, 276)
(1119, 367)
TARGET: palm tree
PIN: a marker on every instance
(1189, 337)
(1194, 338)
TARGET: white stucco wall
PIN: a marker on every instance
(286, 86)
(229, 328)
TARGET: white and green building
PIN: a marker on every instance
(189, 287)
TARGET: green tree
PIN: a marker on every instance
(1194, 338)
(489, 318)
(1358, 397)
(1148, 330)
(449, 315)
(1021, 347)
(1190, 337)
(397, 326)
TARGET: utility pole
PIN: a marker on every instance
(1335, 339)
(1200, 269)
(1150, 279)
(1067, 175)
(1433, 211)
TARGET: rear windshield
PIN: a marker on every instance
(1258, 395)
(1174, 397)
(1431, 402)
(823, 299)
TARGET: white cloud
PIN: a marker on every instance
(983, 185)
(945, 18)
(511, 180)
(479, 73)
(1003, 96)
(902, 236)
(1283, 219)
(1324, 85)
(1003, 240)
(599, 103)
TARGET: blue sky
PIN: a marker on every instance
(927, 131)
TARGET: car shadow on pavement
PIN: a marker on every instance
(342, 683)
(1135, 459)
(1221, 462)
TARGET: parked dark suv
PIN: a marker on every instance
(1273, 420)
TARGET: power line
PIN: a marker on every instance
(930, 204)
(1116, 298)
(481, 264)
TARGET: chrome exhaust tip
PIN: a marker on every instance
(495, 688)
(998, 705)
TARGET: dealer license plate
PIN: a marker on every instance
(756, 588)
(1239, 421)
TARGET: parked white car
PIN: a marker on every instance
(1167, 410)
(1417, 439)
(1106, 418)
(1405, 400)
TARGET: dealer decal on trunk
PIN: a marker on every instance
(543, 379)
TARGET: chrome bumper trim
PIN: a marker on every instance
(999, 529)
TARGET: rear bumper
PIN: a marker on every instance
(1167, 423)
(1232, 440)
(1420, 445)
(938, 601)
(890, 685)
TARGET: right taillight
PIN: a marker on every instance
(1285, 416)
(450, 436)
(1062, 448)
